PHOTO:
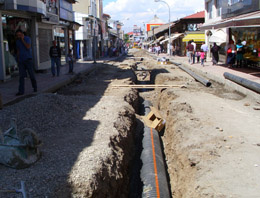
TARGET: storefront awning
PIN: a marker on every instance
(174, 37)
(218, 37)
(157, 40)
(244, 20)
(195, 37)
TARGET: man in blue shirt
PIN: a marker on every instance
(25, 63)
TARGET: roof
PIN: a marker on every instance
(107, 16)
(160, 28)
(155, 20)
(130, 33)
(197, 15)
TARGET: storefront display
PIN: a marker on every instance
(250, 37)
(10, 25)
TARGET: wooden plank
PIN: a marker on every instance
(147, 86)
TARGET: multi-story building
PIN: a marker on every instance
(233, 20)
(116, 34)
(37, 19)
(64, 31)
(182, 31)
(89, 38)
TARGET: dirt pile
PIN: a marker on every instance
(206, 141)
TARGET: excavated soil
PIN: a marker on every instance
(211, 139)
(87, 130)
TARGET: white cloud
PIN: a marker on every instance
(141, 11)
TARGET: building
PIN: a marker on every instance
(182, 31)
(64, 31)
(152, 24)
(192, 29)
(90, 36)
(232, 21)
(116, 34)
(42, 20)
(137, 34)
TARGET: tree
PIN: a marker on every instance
(126, 38)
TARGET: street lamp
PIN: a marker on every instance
(169, 23)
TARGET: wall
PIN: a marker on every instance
(82, 6)
(239, 8)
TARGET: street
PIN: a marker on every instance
(89, 131)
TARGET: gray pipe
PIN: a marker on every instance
(154, 185)
(194, 75)
(242, 81)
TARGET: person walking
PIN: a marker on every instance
(215, 53)
(190, 52)
(198, 55)
(205, 49)
(202, 57)
(25, 63)
(55, 54)
(194, 46)
(70, 61)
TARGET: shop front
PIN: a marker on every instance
(245, 28)
(62, 32)
(197, 37)
(250, 37)
(220, 37)
(11, 23)
(46, 33)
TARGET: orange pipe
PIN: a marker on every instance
(155, 167)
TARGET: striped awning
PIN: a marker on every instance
(195, 37)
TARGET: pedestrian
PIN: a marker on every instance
(55, 54)
(230, 49)
(215, 53)
(240, 53)
(202, 57)
(194, 45)
(70, 61)
(190, 51)
(205, 49)
(198, 55)
(25, 63)
(158, 49)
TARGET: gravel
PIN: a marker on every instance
(86, 130)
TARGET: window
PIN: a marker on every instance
(219, 5)
(209, 9)
(232, 2)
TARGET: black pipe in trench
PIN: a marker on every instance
(153, 173)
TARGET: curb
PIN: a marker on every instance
(229, 85)
(53, 88)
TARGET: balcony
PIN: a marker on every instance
(35, 6)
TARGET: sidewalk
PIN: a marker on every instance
(45, 82)
(216, 72)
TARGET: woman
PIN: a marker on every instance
(231, 53)
(215, 53)
(240, 52)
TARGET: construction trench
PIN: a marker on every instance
(96, 143)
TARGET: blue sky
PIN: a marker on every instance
(105, 2)
(138, 12)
